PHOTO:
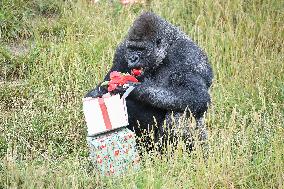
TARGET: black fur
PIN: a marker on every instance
(176, 75)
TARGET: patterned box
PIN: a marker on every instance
(114, 152)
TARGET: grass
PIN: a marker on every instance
(53, 52)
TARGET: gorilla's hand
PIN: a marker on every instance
(99, 91)
(122, 89)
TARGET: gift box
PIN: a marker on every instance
(114, 152)
(104, 114)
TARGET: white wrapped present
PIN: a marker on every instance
(106, 113)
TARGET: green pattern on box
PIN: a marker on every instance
(114, 152)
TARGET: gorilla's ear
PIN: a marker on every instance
(144, 27)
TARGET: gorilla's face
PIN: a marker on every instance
(145, 55)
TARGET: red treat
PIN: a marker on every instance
(118, 79)
(136, 72)
(114, 74)
(111, 87)
(130, 78)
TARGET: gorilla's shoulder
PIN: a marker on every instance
(184, 49)
(187, 55)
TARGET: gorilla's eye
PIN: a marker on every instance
(136, 48)
(158, 41)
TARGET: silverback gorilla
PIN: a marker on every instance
(176, 77)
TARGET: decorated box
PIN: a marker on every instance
(104, 114)
(114, 152)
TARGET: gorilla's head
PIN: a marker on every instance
(148, 42)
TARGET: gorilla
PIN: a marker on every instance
(175, 79)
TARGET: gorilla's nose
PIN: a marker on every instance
(133, 60)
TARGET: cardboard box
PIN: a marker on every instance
(114, 152)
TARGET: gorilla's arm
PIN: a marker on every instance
(185, 53)
(187, 87)
(119, 64)
(190, 91)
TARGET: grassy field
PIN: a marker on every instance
(53, 52)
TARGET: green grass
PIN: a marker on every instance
(69, 46)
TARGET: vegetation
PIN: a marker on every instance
(53, 52)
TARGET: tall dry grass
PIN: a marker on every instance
(69, 47)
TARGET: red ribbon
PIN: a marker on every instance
(105, 113)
